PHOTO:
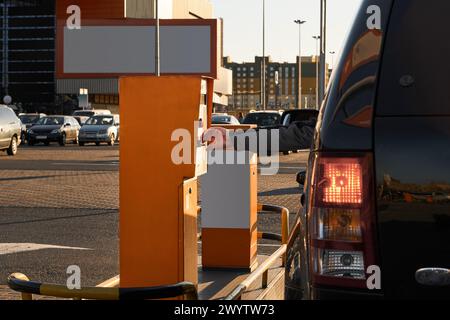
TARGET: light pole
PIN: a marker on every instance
(323, 48)
(263, 87)
(300, 22)
(157, 41)
(317, 38)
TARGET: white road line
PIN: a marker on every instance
(11, 248)
(259, 245)
(85, 164)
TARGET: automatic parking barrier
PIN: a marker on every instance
(229, 228)
(20, 283)
(158, 184)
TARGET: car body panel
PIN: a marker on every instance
(413, 191)
(345, 123)
(347, 112)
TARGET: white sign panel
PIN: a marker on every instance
(128, 49)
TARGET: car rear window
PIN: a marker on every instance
(416, 60)
(29, 119)
(84, 113)
(263, 119)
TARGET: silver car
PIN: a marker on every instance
(10, 130)
(100, 129)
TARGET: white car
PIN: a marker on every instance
(100, 129)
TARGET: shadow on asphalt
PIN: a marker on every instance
(61, 218)
(280, 192)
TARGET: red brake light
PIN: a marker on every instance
(341, 219)
(340, 181)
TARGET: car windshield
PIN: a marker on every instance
(100, 121)
(263, 119)
(83, 113)
(29, 119)
(51, 121)
(221, 119)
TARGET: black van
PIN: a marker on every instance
(375, 217)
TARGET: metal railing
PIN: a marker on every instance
(263, 270)
(20, 283)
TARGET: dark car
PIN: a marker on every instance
(375, 216)
(28, 120)
(263, 118)
(61, 129)
(290, 116)
(219, 119)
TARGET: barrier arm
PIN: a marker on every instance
(20, 283)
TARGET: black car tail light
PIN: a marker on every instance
(342, 219)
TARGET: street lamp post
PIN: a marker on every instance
(263, 87)
(157, 41)
(300, 22)
(323, 48)
(317, 38)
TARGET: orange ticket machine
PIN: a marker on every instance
(162, 120)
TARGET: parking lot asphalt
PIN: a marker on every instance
(59, 207)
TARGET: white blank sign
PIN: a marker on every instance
(131, 50)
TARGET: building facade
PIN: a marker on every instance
(28, 49)
(282, 84)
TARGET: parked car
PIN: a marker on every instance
(375, 216)
(290, 116)
(100, 129)
(83, 115)
(10, 130)
(61, 129)
(263, 118)
(28, 120)
(224, 119)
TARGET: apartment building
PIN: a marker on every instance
(282, 84)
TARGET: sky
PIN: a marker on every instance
(243, 27)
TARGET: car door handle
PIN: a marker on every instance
(433, 277)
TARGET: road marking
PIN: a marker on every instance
(11, 248)
(85, 164)
(259, 245)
